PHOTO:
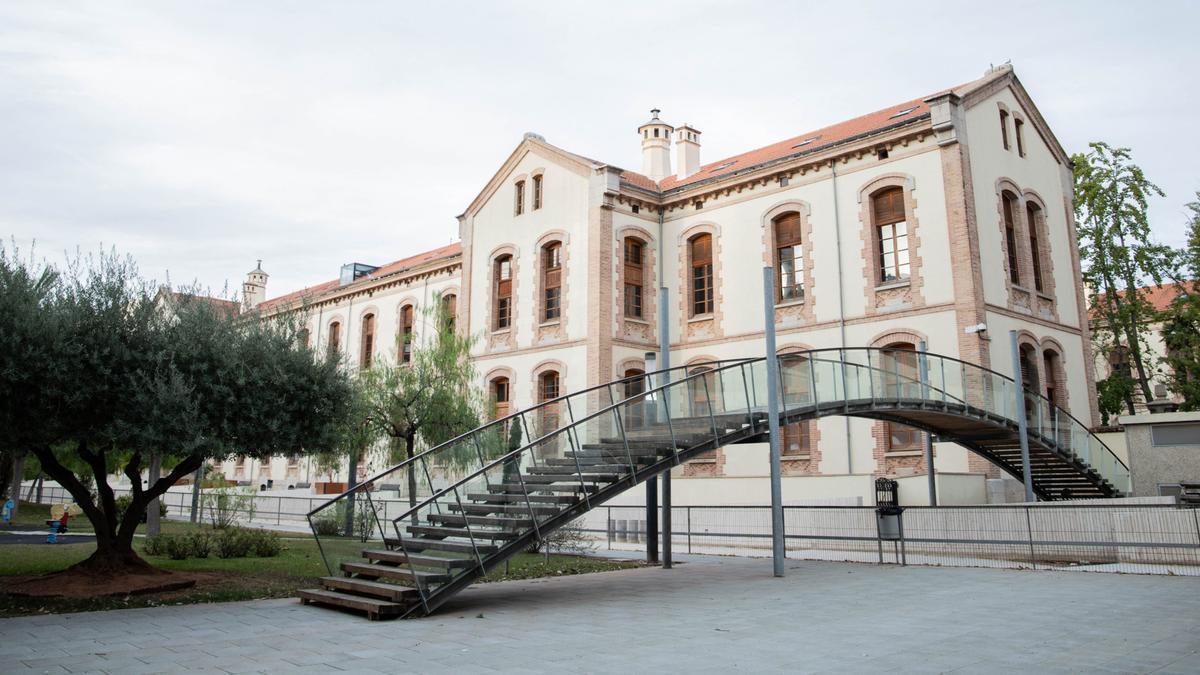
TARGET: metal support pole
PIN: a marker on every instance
(651, 493)
(928, 436)
(1022, 423)
(664, 358)
(777, 543)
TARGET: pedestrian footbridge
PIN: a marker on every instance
(529, 473)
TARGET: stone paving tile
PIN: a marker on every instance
(708, 615)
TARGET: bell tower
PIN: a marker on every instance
(656, 147)
(254, 290)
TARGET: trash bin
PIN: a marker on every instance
(887, 518)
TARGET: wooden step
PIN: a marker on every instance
(597, 463)
(517, 488)
(391, 572)
(423, 544)
(402, 558)
(543, 479)
(518, 507)
(571, 469)
(476, 533)
(375, 608)
(376, 589)
(518, 497)
(457, 520)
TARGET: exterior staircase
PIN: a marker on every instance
(394, 559)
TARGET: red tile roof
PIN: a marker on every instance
(1159, 297)
(895, 115)
(397, 267)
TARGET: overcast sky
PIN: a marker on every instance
(201, 136)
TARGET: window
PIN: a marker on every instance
(537, 192)
(700, 252)
(406, 333)
(901, 380)
(503, 290)
(702, 390)
(1118, 359)
(449, 311)
(794, 439)
(1051, 364)
(1010, 237)
(789, 258)
(891, 234)
(1004, 128)
(548, 386)
(335, 337)
(635, 276)
(519, 198)
(633, 413)
(551, 281)
(368, 341)
(302, 337)
(548, 390)
(500, 396)
(1019, 127)
(1032, 213)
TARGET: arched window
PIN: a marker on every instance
(1030, 381)
(335, 337)
(406, 333)
(501, 396)
(1009, 202)
(537, 192)
(1004, 128)
(302, 337)
(901, 380)
(795, 383)
(1052, 365)
(449, 311)
(891, 235)
(700, 254)
(702, 390)
(1019, 132)
(551, 281)
(789, 258)
(368, 341)
(519, 198)
(635, 276)
(1032, 214)
(502, 285)
(548, 390)
(634, 384)
(1118, 360)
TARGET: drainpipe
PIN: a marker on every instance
(837, 231)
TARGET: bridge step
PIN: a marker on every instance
(517, 488)
(374, 607)
(400, 557)
(519, 507)
(476, 533)
(589, 463)
(377, 589)
(391, 572)
(456, 520)
(558, 476)
(518, 496)
(426, 544)
(571, 469)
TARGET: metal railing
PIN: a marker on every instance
(1094, 537)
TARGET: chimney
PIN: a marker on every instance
(687, 151)
(656, 147)
(254, 290)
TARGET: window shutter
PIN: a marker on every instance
(888, 206)
(787, 229)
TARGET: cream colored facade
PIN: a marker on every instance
(946, 156)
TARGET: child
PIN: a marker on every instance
(8, 509)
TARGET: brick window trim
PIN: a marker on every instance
(551, 330)
(791, 312)
(1024, 297)
(644, 329)
(503, 339)
(704, 326)
(878, 294)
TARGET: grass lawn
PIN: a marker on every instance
(231, 579)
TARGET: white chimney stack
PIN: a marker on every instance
(687, 151)
(656, 147)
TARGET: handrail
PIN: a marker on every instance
(362, 485)
(975, 366)
(791, 356)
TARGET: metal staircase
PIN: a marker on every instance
(566, 456)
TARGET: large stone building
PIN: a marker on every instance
(945, 219)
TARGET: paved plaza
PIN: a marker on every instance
(709, 614)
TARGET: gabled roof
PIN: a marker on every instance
(221, 306)
(1159, 297)
(444, 253)
(893, 116)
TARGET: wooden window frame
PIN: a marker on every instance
(1019, 134)
(407, 319)
(890, 227)
(537, 192)
(905, 358)
(367, 341)
(500, 390)
(502, 292)
(635, 276)
(701, 290)
(450, 311)
(786, 232)
(1032, 212)
(551, 263)
(1008, 206)
(1004, 128)
(519, 197)
(334, 342)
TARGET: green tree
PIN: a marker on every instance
(1119, 257)
(428, 400)
(92, 371)
(1181, 321)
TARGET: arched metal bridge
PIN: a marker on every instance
(534, 471)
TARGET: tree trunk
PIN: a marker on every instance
(410, 447)
(18, 469)
(351, 481)
(152, 475)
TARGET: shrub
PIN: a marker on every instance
(232, 543)
(225, 505)
(327, 525)
(201, 544)
(266, 544)
(179, 546)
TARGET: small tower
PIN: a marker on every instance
(687, 150)
(656, 147)
(254, 290)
